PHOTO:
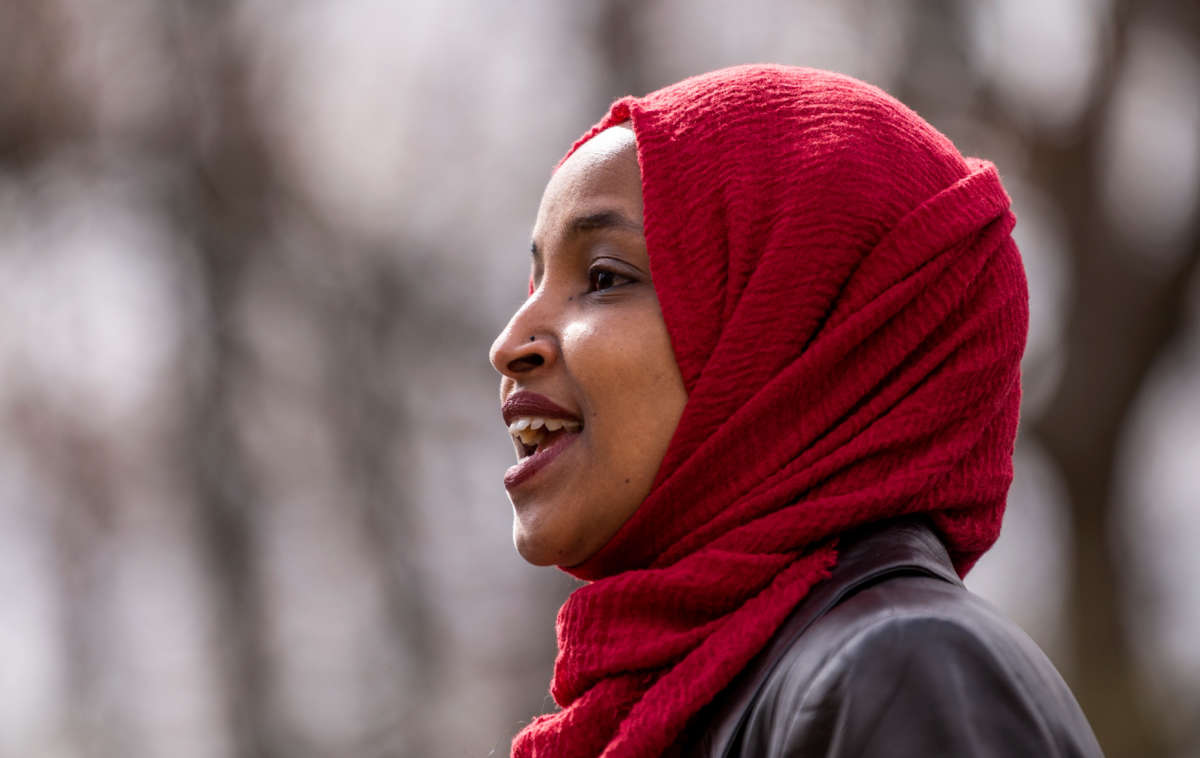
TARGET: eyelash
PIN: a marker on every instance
(598, 271)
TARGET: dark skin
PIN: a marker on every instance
(591, 338)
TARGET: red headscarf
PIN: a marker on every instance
(848, 312)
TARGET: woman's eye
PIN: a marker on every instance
(601, 279)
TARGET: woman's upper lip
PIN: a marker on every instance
(526, 403)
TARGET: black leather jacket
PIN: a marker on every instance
(892, 656)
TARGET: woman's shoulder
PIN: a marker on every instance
(893, 656)
(914, 665)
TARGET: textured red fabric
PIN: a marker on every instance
(848, 312)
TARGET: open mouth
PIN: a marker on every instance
(533, 433)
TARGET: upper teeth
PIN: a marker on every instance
(529, 429)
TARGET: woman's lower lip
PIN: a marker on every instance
(527, 467)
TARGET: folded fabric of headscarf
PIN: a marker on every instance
(848, 311)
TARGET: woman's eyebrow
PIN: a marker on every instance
(590, 222)
(606, 219)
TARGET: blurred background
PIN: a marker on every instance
(252, 255)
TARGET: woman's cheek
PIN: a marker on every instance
(578, 332)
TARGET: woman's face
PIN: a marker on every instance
(590, 388)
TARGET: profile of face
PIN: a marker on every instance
(590, 389)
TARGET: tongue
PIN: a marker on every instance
(550, 438)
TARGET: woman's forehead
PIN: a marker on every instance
(601, 175)
(607, 151)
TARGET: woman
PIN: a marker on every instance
(763, 395)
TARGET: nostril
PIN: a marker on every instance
(525, 363)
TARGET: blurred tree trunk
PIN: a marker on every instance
(374, 322)
(621, 44)
(38, 109)
(1121, 323)
(234, 200)
(83, 522)
(221, 202)
(38, 112)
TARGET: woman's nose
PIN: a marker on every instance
(525, 344)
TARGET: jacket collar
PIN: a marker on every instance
(865, 556)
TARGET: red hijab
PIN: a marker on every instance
(848, 312)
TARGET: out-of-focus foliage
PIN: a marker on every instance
(251, 258)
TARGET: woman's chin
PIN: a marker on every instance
(540, 546)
